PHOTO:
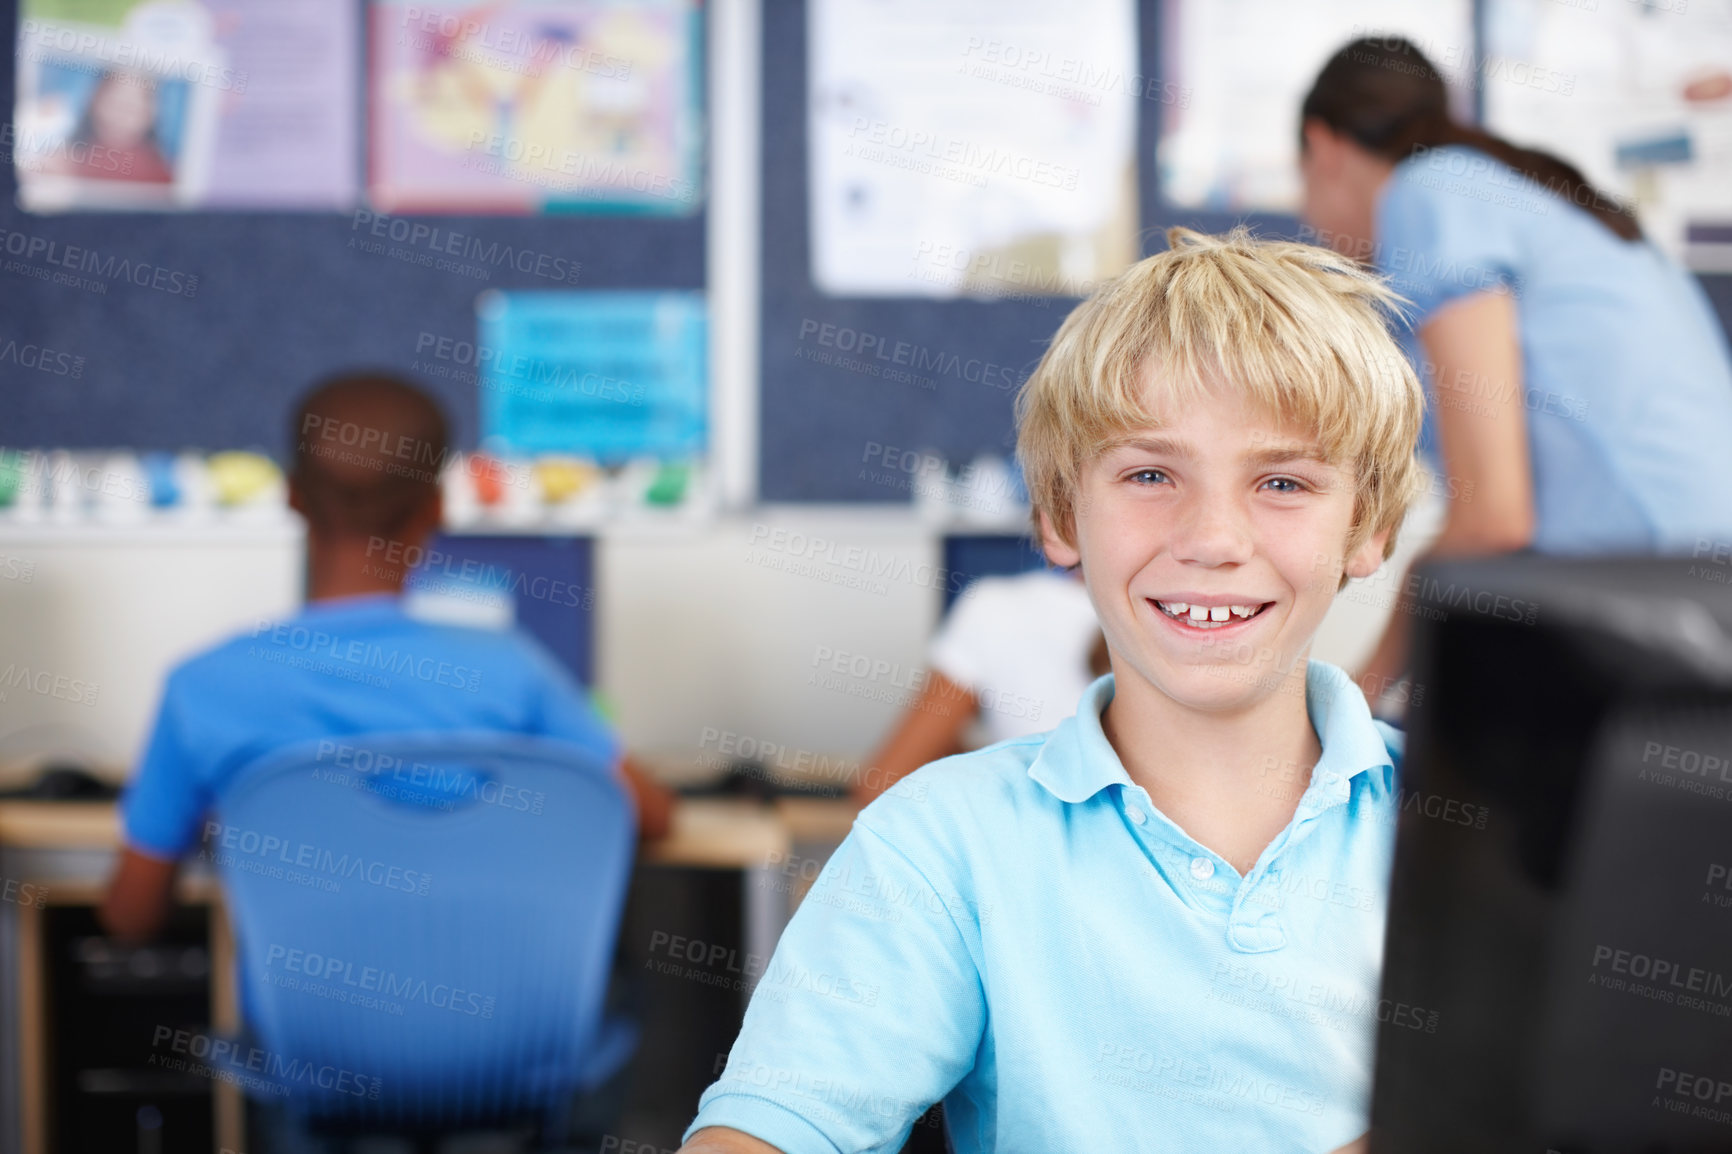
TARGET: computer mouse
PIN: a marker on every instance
(755, 781)
(70, 783)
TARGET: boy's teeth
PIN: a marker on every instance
(1208, 614)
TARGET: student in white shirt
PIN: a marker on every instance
(1013, 655)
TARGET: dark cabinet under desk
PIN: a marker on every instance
(116, 1079)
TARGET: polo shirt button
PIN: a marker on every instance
(1137, 815)
(1202, 868)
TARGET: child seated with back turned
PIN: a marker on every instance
(366, 478)
(1106, 937)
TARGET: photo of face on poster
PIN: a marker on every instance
(97, 133)
(118, 136)
(179, 105)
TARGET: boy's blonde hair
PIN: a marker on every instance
(1301, 331)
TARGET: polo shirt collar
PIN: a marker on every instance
(356, 605)
(1352, 743)
(1077, 761)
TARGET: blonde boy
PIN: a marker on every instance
(1124, 934)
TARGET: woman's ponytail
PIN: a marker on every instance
(1383, 93)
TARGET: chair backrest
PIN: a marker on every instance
(425, 923)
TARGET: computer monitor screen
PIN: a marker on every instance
(1558, 971)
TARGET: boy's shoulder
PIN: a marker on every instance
(299, 639)
(964, 798)
(993, 768)
(964, 823)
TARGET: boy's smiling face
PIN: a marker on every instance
(1222, 508)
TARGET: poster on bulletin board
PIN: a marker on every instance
(186, 104)
(526, 106)
(1638, 96)
(1230, 143)
(981, 148)
(608, 375)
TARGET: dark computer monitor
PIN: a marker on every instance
(1558, 968)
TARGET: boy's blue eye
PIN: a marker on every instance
(1297, 487)
(1143, 476)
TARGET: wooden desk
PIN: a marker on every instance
(718, 834)
(811, 821)
(713, 833)
(59, 824)
(66, 850)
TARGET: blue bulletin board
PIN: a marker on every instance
(202, 329)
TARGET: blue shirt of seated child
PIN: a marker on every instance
(1019, 932)
(343, 667)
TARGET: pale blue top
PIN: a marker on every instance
(1625, 367)
(1019, 932)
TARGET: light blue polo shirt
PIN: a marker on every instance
(1627, 379)
(343, 667)
(1019, 932)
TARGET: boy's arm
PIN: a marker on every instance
(871, 1008)
(160, 814)
(721, 1140)
(655, 801)
(957, 661)
(139, 896)
(931, 728)
(564, 711)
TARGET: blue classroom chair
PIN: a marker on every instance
(425, 928)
